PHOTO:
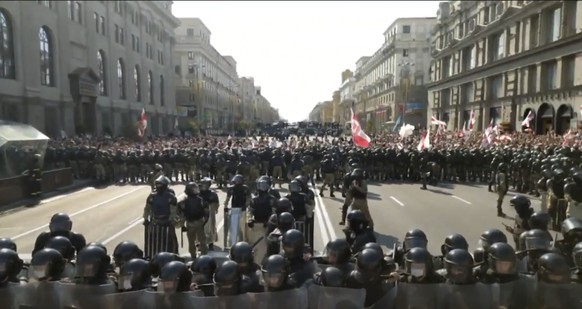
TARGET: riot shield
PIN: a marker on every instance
(223, 302)
(516, 294)
(335, 298)
(155, 300)
(234, 225)
(15, 295)
(388, 301)
(417, 296)
(558, 296)
(291, 299)
(126, 300)
(84, 296)
(472, 296)
(41, 295)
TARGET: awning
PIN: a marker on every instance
(548, 113)
(565, 112)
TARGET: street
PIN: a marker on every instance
(113, 214)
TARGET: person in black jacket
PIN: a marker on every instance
(60, 225)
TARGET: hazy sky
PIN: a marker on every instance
(296, 50)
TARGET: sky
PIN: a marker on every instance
(296, 50)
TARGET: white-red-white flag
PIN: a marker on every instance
(424, 141)
(435, 121)
(527, 119)
(359, 137)
(471, 120)
(142, 123)
(568, 137)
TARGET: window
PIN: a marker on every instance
(121, 78)
(6, 47)
(556, 19)
(96, 20)
(116, 34)
(468, 92)
(190, 55)
(550, 74)
(501, 45)
(121, 36)
(102, 24)
(46, 57)
(406, 29)
(190, 32)
(473, 60)
(568, 73)
(405, 52)
(151, 87)
(162, 90)
(101, 71)
(497, 87)
(137, 80)
(119, 7)
(75, 11)
(137, 44)
(190, 69)
(177, 69)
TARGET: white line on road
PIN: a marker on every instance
(78, 212)
(397, 201)
(127, 228)
(324, 232)
(328, 225)
(58, 197)
(134, 220)
(460, 199)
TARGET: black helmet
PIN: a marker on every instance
(369, 264)
(10, 265)
(60, 222)
(572, 230)
(415, 238)
(357, 220)
(293, 243)
(479, 256)
(7, 243)
(242, 254)
(374, 246)
(203, 269)
(333, 277)
(227, 279)
(577, 255)
(459, 266)
(158, 167)
(490, 237)
(125, 251)
(294, 186)
(338, 251)
(502, 167)
(192, 189)
(540, 220)
(418, 262)
(520, 202)
(237, 179)
(63, 245)
(534, 240)
(134, 275)
(205, 184)
(175, 277)
(98, 244)
(92, 264)
(303, 180)
(263, 185)
(502, 259)
(283, 205)
(358, 173)
(285, 222)
(162, 183)
(266, 178)
(553, 268)
(274, 271)
(454, 241)
(161, 259)
(47, 265)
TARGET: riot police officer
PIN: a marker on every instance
(459, 267)
(502, 265)
(300, 268)
(299, 201)
(203, 270)
(242, 254)
(195, 212)
(329, 170)
(12, 265)
(47, 265)
(160, 215)
(412, 239)
(134, 275)
(368, 275)
(419, 268)
(274, 192)
(285, 222)
(338, 254)
(275, 274)
(502, 185)
(572, 234)
(535, 243)
(359, 192)
(175, 277)
(358, 233)
(92, 266)
(66, 249)
(7, 243)
(211, 199)
(453, 241)
(241, 198)
(522, 206)
(553, 268)
(309, 208)
(60, 225)
(228, 280)
(282, 205)
(260, 210)
(126, 251)
(158, 172)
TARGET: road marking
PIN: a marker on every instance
(134, 220)
(127, 228)
(79, 212)
(323, 211)
(61, 196)
(460, 199)
(397, 201)
(324, 232)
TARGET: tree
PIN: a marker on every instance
(370, 126)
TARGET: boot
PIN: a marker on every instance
(500, 211)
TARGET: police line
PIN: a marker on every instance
(525, 293)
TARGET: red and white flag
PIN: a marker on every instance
(568, 137)
(471, 120)
(437, 122)
(142, 123)
(359, 137)
(424, 141)
(528, 119)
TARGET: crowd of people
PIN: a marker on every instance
(270, 236)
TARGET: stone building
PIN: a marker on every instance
(87, 66)
(503, 59)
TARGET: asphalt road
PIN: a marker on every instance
(113, 214)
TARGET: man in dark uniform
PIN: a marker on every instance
(241, 198)
(261, 208)
(35, 180)
(60, 225)
(211, 198)
(160, 215)
(194, 210)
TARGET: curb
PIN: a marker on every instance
(31, 203)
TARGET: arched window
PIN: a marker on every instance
(121, 78)
(6, 47)
(46, 57)
(137, 80)
(161, 90)
(101, 71)
(151, 87)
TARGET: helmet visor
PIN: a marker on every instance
(263, 186)
(578, 259)
(504, 267)
(85, 271)
(417, 270)
(167, 286)
(536, 243)
(124, 282)
(39, 272)
(273, 280)
(414, 242)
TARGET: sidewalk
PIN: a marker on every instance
(76, 185)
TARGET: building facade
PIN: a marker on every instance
(391, 83)
(87, 66)
(263, 111)
(346, 92)
(503, 59)
(248, 94)
(315, 113)
(207, 94)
